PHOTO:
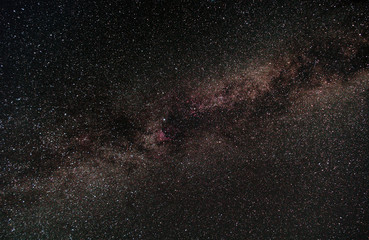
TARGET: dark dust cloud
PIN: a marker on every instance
(178, 120)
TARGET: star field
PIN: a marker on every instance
(178, 120)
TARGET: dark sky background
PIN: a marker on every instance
(184, 119)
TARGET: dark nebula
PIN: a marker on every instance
(178, 120)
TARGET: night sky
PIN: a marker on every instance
(184, 119)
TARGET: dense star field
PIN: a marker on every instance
(178, 120)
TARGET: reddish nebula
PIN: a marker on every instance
(162, 137)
